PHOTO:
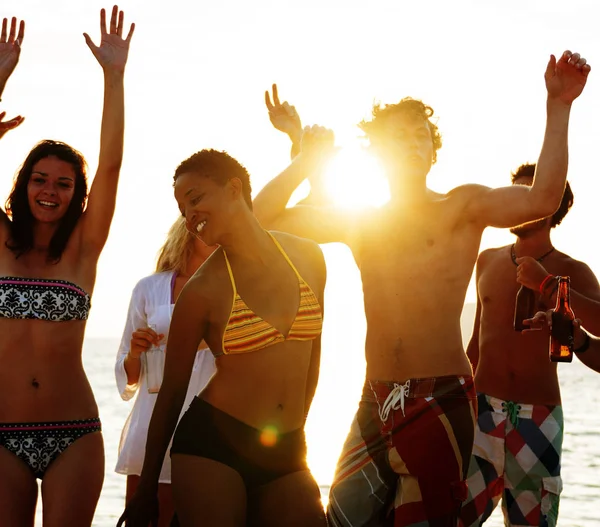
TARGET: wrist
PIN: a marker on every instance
(555, 106)
(585, 344)
(546, 283)
(295, 136)
(113, 76)
(133, 356)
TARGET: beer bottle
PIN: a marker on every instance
(561, 336)
(524, 307)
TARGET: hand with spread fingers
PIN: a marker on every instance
(113, 49)
(11, 124)
(284, 116)
(10, 48)
(566, 78)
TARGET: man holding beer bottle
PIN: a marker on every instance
(519, 431)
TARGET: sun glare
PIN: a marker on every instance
(355, 179)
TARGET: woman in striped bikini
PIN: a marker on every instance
(50, 243)
(239, 453)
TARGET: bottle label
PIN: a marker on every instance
(562, 330)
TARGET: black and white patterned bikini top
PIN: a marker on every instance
(42, 299)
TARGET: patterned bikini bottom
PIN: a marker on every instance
(39, 444)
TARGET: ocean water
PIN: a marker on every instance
(580, 503)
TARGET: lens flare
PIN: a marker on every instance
(355, 179)
(269, 436)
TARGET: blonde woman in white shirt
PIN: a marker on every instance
(152, 303)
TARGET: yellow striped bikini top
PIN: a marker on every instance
(246, 331)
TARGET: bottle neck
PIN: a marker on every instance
(564, 294)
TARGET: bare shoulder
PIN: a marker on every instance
(305, 254)
(298, 244)
(209, 280)
(574, 268)
(467, 192)
(489, 255)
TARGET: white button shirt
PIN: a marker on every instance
(150, 304)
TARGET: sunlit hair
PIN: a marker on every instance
(220, 167)
(175, 252)
(407, 106)
(528, 170)
(17, 204)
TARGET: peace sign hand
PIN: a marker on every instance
(283, 116)
(10, 47)
(113, 50)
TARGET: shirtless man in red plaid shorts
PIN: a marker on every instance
(406, 458)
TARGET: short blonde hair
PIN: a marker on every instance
(175, 252)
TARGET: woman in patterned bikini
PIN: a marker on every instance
(49, 247)
(239, 453)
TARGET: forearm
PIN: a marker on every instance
(272, 200)
(551, 173)
(591, 357)
(585, 308)
(113, 123)
(162, 425)
(133, 367)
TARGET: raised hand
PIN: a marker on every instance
(566, 78)
(284, 117)
(317, 140)
(5, 126)
(113, 49)
(10, 47)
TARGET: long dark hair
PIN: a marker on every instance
(17, 204)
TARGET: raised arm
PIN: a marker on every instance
(510, 206)
(112, 56)
(10, 51)
(323, 224)
(188, 328)
(285, 118)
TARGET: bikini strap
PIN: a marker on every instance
(230, 274)
(278, 245)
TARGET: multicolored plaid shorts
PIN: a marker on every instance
(405, 460)
(516, 457)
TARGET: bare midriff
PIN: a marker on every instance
(41, 374)
(263, 388)
(512, 366)
(414, 285)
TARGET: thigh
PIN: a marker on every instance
(485, 479)
(207, 493)
(18, 491)
(72, 484)
(293, 500)
(362, 491)
(431, 451)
